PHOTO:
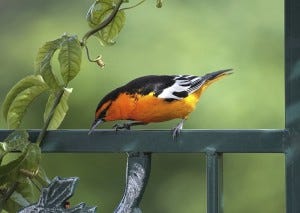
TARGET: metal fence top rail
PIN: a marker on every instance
(192, 141)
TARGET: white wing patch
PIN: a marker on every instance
(184, 84)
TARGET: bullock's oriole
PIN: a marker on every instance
(154, 98)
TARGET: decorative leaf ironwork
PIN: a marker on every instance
(54, 197)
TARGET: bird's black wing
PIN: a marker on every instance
(169, 87)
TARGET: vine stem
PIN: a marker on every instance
(47, 122)
(126, 8)
(102, 24)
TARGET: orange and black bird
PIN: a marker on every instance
(154, 98)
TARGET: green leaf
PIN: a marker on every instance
(2, 152)
(20, 104)
(27, 190)
(111, 31)
(60, 110)
(32, 159)
(49, 104)
(69, 58)
(25, 83)
(45, 53)
(49, 77)
(23, 195)
(15, 202)
(9, 173)
(43, 62)
(16, 141)
(98, 12)
(28, 161)
(13, 177)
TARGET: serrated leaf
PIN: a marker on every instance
(69, 58)
(20, 104)
(97, 13)
(60, 110)
(25, 83)
(43, 62)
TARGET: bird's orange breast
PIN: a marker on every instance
(148, 108)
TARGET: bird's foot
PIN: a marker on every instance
(127, 125)
(122, 126)
(177, 129)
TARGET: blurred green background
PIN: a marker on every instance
(183, 37)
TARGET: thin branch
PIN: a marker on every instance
(133, 6)
(102, 24)
(88, 54)
(47, 122)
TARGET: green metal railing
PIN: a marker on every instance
(211, 142)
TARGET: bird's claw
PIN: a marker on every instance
(177, 129)
(176, 132)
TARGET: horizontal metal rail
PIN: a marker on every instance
(160, 141)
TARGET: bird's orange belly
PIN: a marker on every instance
(149, 108)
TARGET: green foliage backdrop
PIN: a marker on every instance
(183, 37)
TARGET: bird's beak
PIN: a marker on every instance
(95, 124)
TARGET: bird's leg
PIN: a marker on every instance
(127, 125)
(178, 128)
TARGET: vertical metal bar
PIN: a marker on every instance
(292, 94)
(214, 181)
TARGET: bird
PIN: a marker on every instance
(154, 98)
